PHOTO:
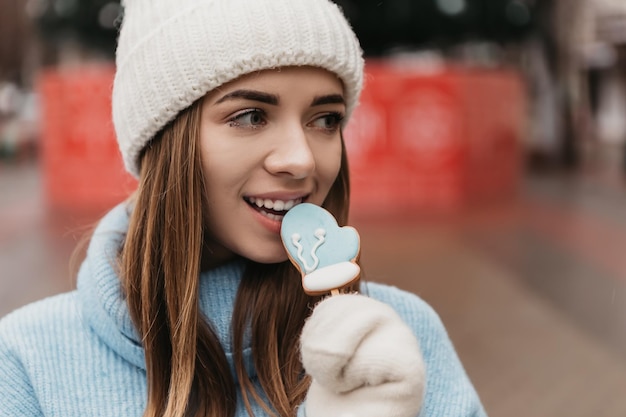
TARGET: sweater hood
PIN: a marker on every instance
(104, 307)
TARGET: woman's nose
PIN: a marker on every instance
(292, 154)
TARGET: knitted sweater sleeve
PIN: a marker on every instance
(16, 392)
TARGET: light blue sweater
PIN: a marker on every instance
(77, 354)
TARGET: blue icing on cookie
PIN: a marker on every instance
(314, 240)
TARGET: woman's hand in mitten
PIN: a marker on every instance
(363, 359)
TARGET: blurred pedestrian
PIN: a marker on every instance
(230, 113)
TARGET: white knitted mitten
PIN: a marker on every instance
(364, 360)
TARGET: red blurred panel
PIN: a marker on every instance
(432, 141)
(495, 112)
(82, 167)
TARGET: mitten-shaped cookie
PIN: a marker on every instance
(324, 253)
(363, 359)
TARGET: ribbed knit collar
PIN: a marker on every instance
(106, 312)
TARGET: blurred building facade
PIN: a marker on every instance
(603, 57)
(16, 41)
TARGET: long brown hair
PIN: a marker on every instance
(187, 370)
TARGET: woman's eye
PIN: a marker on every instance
(329, 122)
(248, 118)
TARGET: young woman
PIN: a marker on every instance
(230, 113)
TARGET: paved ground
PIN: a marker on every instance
(533, 292)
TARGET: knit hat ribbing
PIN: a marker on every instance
(172, 52)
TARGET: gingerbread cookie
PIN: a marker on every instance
(324, 253)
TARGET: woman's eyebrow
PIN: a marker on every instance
(328, 99)
(250, 95)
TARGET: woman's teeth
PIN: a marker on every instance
(278, 207)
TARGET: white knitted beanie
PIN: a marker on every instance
(172, 52)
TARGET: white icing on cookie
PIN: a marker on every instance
(330, 277)
(320, 235)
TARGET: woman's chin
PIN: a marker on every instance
(269, 257)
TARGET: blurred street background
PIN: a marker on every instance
(488, 160)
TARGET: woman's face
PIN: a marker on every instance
(269, 140)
